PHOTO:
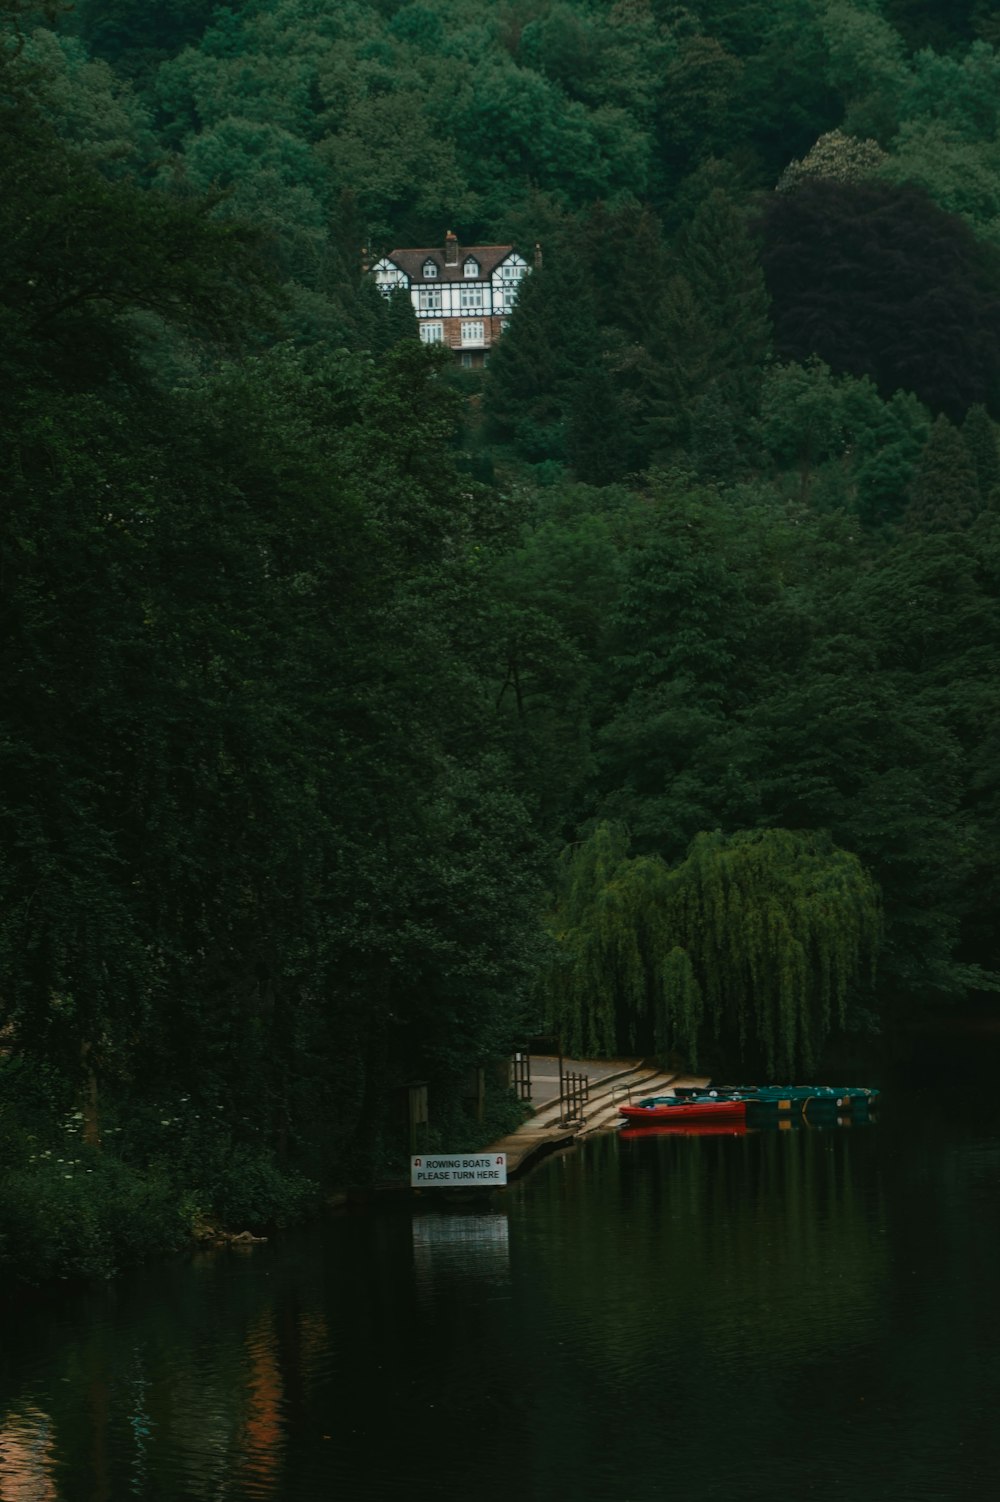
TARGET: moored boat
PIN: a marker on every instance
(769, 1102)
(671, 1110)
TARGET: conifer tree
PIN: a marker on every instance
(679, 368)
(538, 366)
(719, 258)
(714, 425)
(599, 443)
(979, 436)
(711, 328)
(945, 492)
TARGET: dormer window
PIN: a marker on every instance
(430, 270)
(472, 267)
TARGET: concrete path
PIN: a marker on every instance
(612, 1082)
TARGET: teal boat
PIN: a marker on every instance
(765, 1103)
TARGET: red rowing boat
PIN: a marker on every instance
(668, 1112)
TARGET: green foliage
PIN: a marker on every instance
(709, 336)
(84, 1224)
(538, 366)
(866, 65)
(940, 24)
(844, 159)
(818, 428)
(979, 437)
(69, 1211)
(754, 942)
(945, 492)
(909, 299)
(295, 710)
(86, 254)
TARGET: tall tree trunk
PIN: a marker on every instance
(89, 1099)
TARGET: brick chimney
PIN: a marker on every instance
(450, 249)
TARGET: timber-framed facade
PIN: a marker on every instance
(462, 295)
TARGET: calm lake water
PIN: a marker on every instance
(802, 1314)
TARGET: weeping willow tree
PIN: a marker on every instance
(608, 924)
(779, 925)
(755, 939)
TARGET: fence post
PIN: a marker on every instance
(520, 1071)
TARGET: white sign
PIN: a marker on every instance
(467, 1169)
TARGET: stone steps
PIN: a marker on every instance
(545, 1132)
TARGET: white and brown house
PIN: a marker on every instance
(462, 295)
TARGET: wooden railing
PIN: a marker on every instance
(575, 1095)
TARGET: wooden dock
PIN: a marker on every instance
(547, 1130)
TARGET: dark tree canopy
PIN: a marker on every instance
(879, 281)
(296, 711)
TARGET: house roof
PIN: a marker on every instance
(412, 261)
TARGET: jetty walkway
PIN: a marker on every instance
(610, 1083)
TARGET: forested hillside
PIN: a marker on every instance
(362, 716)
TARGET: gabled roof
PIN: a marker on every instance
(488, 256)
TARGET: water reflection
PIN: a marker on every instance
(262, 1436)
(27, 1456)
(447, 1245)
(815, 1310)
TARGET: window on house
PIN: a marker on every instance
(430, 300)
(471, 267)
(430, 270)
(472, 333)
(472, 297)
(432, 333)
(466, 359)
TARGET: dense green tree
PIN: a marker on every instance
(751, 944)
(720, 261)
(886, 439)
(801, 423)
(252, 779)
(787, 98)
(907, 297)
(556, 591)
(715, 422)
(945, 489)
(86, 103)
(941, 24)
(866, 65)
(677, 368)
(817, 426)
(709, 330)
(700, 88)
(959, 174)
(980, 439)
(599, 443)
(536, 369)
(960, 91)
(293, 707)
(844, 159)
(871, 740)
(86, 254)
(612, 237)
(700, 616)
(136, 37)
